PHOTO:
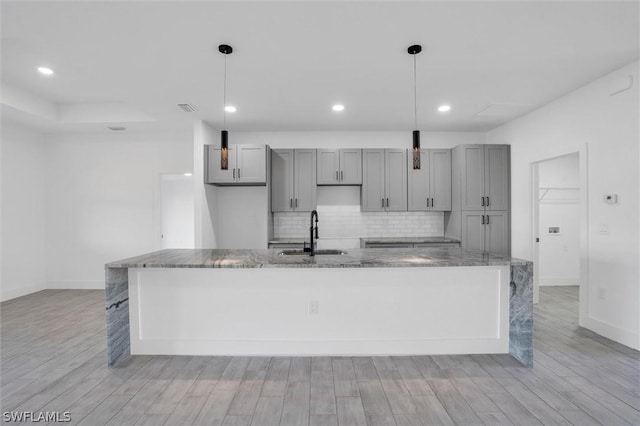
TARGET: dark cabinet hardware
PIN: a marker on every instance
(482, 219)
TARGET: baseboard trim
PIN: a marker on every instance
(558, 281)
(76, 285)
(10, 294)
(622, 336)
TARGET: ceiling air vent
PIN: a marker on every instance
(187, 107)
(117, 128)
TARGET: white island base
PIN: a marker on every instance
(319, 311)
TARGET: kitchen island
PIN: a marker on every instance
(396, 301)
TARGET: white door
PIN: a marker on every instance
(177, 211)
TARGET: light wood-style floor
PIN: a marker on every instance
(53, 358)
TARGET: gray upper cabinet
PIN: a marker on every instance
(247, 165)
(339, 166)
(293, 180)
(429, 188)
(484, 177)
(384, 180)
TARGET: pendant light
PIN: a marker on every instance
(414, 50)
(225, 49)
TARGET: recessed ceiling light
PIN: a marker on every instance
(188, 174)
(444, 108)
(230, 108)
(117, 128)
(45, 71)
(338, 107)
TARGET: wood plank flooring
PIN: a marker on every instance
(53, 359)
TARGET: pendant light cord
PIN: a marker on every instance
(415, 95)
(224, 97)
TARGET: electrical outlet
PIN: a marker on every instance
(314, 307)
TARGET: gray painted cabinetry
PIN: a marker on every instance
(293, 180)
(247, 165)
(479, 215)
(339, 166)
(384, 180)
(429, 188)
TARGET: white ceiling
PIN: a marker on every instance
(132, 62)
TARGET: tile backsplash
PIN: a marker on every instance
(335, 222)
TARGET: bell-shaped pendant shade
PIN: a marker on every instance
(224, 150)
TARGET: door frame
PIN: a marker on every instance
(534, 214)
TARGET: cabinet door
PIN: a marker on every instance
(304, 180)
(472, 177)
(473, 230)
(440, 179)
(496, 176)
(418, 183)
(215, 173)
(497, 233)
(282, 180)
(328, 167)
(395, 170)
(351, 166)
(251, 163)
(372, 180)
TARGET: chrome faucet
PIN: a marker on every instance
(311, 229)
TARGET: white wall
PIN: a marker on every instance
(23, 212)
(559, 253)
(604, 130)
(102, 198)
(218, 204)
(177, 211)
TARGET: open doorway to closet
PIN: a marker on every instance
(556, 222)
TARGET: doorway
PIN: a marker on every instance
(557, 224)
(177, 226)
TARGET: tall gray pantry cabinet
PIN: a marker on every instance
(479, 216)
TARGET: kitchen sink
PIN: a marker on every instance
(306, 253)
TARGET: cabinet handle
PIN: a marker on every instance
(234, 174)
(427, 202)
(482, 218)
(341, 175)
(387, 202)
(432, 202)
(238, 173)
(337, 175)
(482, 201)
(383, 202)
(290, 203)
(296, 203)
(487, 202)
(487, 218)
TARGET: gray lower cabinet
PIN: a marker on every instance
(384, 180)
(293, 180)
(429, 188)
(486, 231)
(247, 165)
(408, 245)
(339, 167)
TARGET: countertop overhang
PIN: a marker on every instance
(355, 258)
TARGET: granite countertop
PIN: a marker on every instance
(409, 240)
(355, 258)
(289, 241)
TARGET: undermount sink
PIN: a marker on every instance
(306, 253)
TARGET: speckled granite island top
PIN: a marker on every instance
(354, 258)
